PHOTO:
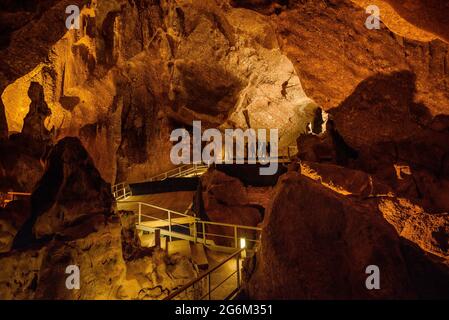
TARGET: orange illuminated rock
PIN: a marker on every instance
(72, 223)
(225, 199)
(317, 244)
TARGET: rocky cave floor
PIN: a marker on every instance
(83, 109)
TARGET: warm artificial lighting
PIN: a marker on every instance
(242, 243)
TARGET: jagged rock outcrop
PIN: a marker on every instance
(345, 181)
(220, 191)
(72, 223)
(22, 164)
(225, 199)
(12, 219)
(56, 207)
(136, 70)
(428, 231)
(397, 133)
(340, 52)
(317, 244)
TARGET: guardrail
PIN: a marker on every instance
(11, 196)
(207, 276)
(181, 171)
(121, 191)
(187, 227)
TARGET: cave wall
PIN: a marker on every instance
(137, 69)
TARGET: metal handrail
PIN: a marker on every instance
(155, 207)
(178, 171)
(119, 191)
(197, 232)
(187, 169)
(10, 196)
(174, 173)
(207, 274)
(223, 224)
(164, 220)
(19, 194)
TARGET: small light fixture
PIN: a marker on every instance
(242, 243)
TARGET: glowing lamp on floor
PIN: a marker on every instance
(242, 243)
(243, 246)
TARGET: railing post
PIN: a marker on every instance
(140, 213)
(204, 232)
(195, 236)
(209, 286)
(169, 224)
(235, 237)
(238, 271)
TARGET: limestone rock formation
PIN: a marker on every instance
(70, 177)
(341, 52)
(317, 243)
(220, 191)
(137, 69)
(72, 223)
(12, 219)
(225, 199)
(81, 109)
(428, 231)
(34, 122)
(22, 165)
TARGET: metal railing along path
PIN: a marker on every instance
(207, 276)
(12, 196)
(122, 190)
(187, 227)
(182, 171)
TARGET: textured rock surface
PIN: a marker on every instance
(374, 187)
(428, 15)
(21, 164)
(225, 199)
(136, 69)
(220, 191)
(340, 53)
(24, 153)
(429, 231)
(70, 191)
(317, 243)
(12, 219)
(72, 222)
